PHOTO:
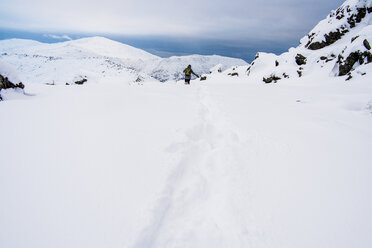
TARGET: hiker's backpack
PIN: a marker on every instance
(188, 71)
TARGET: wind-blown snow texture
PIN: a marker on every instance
(226, 162)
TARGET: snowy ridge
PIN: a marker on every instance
(109, 48)
(70, 61)
(339, 45)
(351, 14)
(15, 44)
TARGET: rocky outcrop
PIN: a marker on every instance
(358, 17)
(366, 44)
(80, 82)
(347, 16)
(271, 79)
(347, 65)
(330, 38)
(234, 74)
(300, 59)
(345, 36)
(6, 84)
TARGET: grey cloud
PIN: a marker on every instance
(234, 19)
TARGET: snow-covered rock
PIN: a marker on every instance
(217, 68)
(9, 79)
(338, 46)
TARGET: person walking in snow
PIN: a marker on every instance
(188, 71)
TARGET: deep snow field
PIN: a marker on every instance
(219, 163)
(125, 161)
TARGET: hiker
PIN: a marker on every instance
(188, 71)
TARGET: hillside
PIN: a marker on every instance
(98, 59)
(339, 46)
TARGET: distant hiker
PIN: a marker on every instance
(188, 71)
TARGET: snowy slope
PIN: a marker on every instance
(338, 46)
(97, 58)
(14, 44)
(172, 68)
(110, 48)
(67, 62)
(9, 72)
(224, 163)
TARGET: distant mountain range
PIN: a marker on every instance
(97, 57)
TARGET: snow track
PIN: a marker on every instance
(199, 206)
(216, 164)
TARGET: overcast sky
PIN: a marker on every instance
(228, 19)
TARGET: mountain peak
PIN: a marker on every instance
(110, 48)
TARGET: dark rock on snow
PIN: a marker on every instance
(357, 18)
(354, 38)
(330, 38)
(233, 74)
(6, 84)
(271, 79)
(366, 44)
(349, 77)
(80, 82)
(300, 59)
(139, 79)
(346, 66)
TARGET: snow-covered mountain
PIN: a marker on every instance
(97, 58)
(340, 45)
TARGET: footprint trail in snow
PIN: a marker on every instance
(200, 206)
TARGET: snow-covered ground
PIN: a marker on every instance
(221, 163)
(127, 161)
